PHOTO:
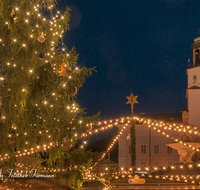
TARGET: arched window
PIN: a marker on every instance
(197, 58)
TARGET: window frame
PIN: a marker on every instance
(156, 149)
(169, 150)
(143, 149)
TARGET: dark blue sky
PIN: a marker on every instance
(137, 46)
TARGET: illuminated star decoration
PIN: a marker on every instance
(131, 100)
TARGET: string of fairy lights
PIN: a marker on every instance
(116, 122)
(123, 173)
(55, 27)
(121, 120)
(153, 123)
(53, 24)
(194, 179)
(116, 175)
(156, 125)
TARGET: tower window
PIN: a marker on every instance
(197, 58)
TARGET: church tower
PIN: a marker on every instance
(193, 89)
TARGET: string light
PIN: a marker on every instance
(103, 128)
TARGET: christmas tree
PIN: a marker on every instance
(41, 121)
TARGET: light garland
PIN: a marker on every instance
(128, 174)
(175, 139)
(50, 53)
(151, 124)
(117, 121)
(51, 22)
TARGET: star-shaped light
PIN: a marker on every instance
(131, 100)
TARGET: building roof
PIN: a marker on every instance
(172, 117)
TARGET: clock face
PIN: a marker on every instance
(194, 79)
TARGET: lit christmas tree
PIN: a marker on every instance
(40, 119)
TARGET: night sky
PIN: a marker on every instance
(137, 46)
